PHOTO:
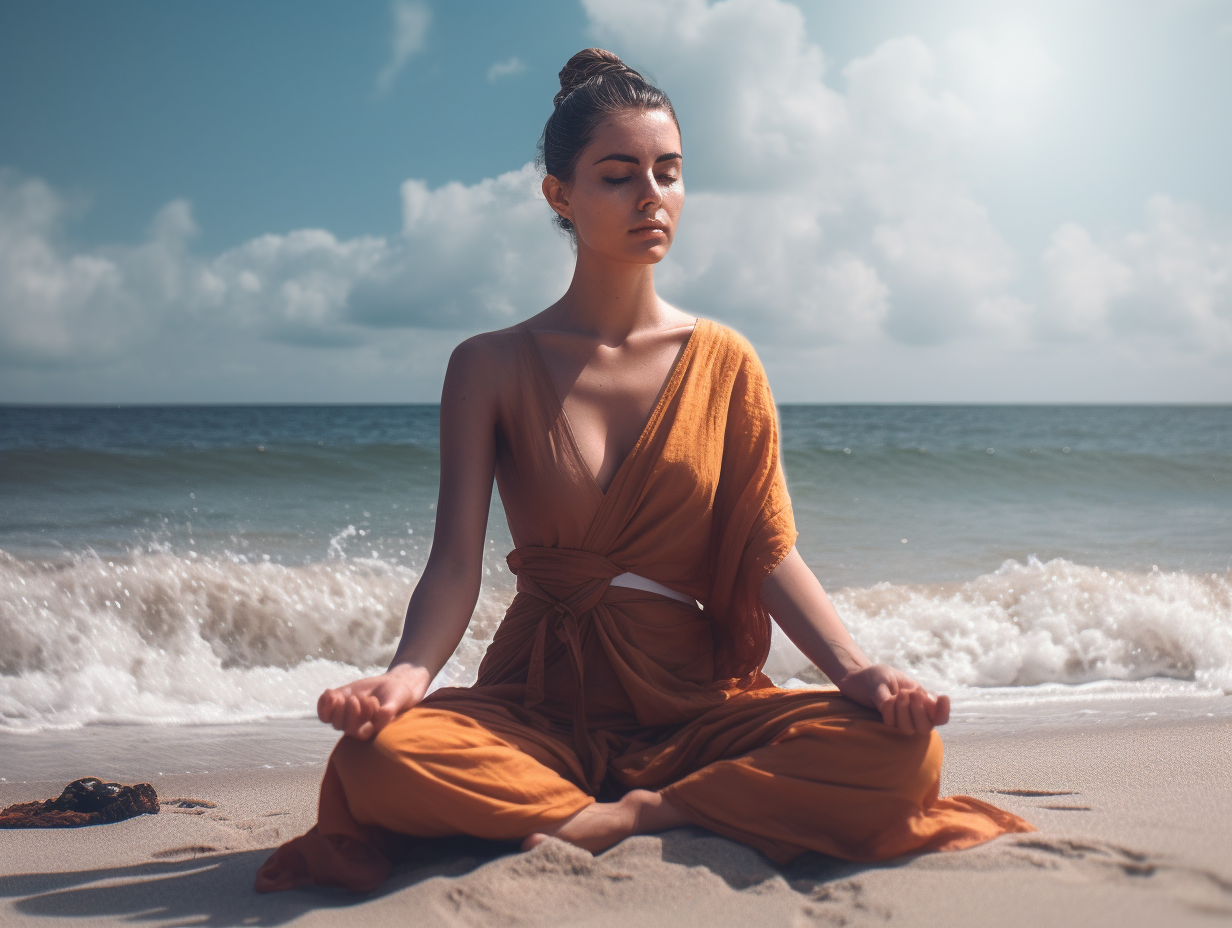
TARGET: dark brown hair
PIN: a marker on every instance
(593, 83)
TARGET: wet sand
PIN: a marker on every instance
(1134, 818)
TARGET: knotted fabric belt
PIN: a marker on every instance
(569, 582)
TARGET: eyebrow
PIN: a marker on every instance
(629, 159)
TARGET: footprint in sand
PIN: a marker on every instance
(835, 902)
(220, 831)
(187, 806)
(1201, 890)
(1129, 862)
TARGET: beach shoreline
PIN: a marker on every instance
(1133, 814)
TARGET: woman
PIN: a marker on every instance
(636, 452)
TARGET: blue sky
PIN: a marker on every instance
(897, 201)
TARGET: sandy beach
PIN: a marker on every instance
(1134, 819)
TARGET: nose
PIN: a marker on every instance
(650, 196)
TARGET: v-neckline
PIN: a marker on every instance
(670, 385)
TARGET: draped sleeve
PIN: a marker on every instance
(753, 527)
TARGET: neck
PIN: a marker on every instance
(608, 299)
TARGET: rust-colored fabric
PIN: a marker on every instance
(589, 690)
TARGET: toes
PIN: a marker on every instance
(534, 840)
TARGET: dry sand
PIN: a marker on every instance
(1135, 828)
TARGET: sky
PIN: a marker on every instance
(895, 200)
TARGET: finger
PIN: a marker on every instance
(353, 715)
(370, 720)
(358, 714)
(383, 716)
(902, 713)
(883, 699)
(919, 714)
(370, 705)
(325, 705)
(941, 713)
(366, 706)
(337, 717)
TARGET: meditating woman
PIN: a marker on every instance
(636, 452)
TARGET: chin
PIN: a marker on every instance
(651, 255)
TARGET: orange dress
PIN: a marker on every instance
(588, 690)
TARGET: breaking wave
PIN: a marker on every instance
(161, 638)
(155, 637)
(1042, 622)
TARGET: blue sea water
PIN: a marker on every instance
(223, 564)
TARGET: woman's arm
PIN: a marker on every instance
(444, 599)
(792, 595)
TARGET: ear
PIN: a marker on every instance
(556, 194)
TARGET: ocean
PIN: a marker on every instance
(219, 566)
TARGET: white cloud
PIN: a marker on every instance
(469, 257)
(411, 19)
(57, 304)
(473, 256)
(1170, 282)
(829, 215)
(288, 288)
(507, 68)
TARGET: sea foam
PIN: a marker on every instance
(159, 637)
(1042, 622)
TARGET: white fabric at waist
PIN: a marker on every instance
(638, 582)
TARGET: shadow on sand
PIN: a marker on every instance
(216, 889)
(742, 867)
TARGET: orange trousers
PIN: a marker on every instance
(833, 778)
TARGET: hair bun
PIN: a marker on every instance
(586, 65)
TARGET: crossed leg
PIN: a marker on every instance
(429, 773)
(842, 784)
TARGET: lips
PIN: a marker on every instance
(653, 226)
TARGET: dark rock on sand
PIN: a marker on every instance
(88, 801)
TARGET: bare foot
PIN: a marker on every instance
(599, 826)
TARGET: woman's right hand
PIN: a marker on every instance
(363, 708)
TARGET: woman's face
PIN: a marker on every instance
(627, 192)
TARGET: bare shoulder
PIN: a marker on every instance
(486, 348)
(482, 364)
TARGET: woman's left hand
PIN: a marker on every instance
(904, 704)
